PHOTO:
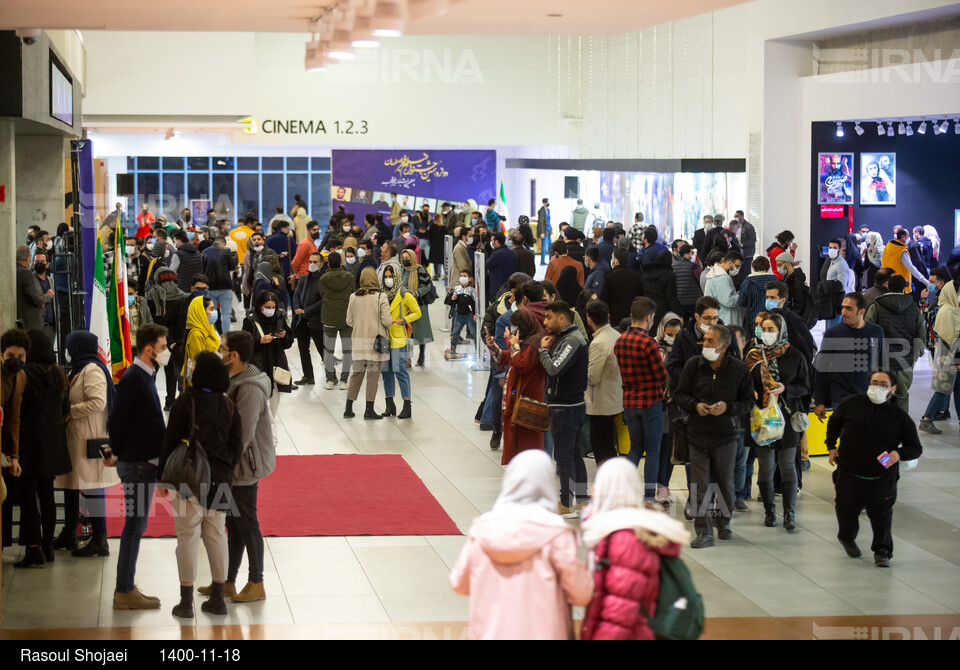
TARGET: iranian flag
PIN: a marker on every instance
(121, 355)
(502, 209)
(99, 325)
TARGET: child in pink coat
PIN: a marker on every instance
(520, 565)
(627, 541)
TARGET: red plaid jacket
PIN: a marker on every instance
(641, 369)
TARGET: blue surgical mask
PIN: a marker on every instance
(191, 234)
(770, 303)
(932, 288)
(212, 317)
(131, 299)
(758, 331)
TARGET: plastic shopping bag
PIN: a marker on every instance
(766, 425)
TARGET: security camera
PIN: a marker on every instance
(28, 35)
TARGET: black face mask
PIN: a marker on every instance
(315, 235)
(12, 366)
(40, 268)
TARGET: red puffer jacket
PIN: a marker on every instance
(627, 574)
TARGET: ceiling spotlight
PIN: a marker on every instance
(363, 37)
(936, 127)
(944, 126)
(890, 129)
(341, 46)
(839, 129)
(901, 129)
(857, 128)
(956, 126)
(880, 129)
(315, 59)
(910, 130)
(922, 129)
(388, 19)
(172, 134)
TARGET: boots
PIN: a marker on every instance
(926, 425)
(252, 592)
(391, 409)
(789, 507)
(423, 355)
(229, 589)
(95, 547)
(215, 605)
(405, 413)
(66, 539)
(32, 557)
(371, 413)
(769, 506)
(348, 412)
(184, 609)
(47, 548)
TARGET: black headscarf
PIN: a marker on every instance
(83, 347)
(567, 286)
(41, 361)
(210, 374)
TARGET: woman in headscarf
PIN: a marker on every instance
(200, 335)
(368, 314)
(525, 376)
(413, 243)
(43, 449)
(267, 324)
(404, 310)
(519, 565)
(627, 542)
(269, 278)
(416, 278)
(851, 253)
(91, 394)
(945, 378)
(435, 256)
(567, 286)
(351, 263)
(874, 250)
(931, 234)
(667, 331)
(205, 408)
(780, 371)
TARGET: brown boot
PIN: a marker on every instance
(252, 592)
(229, 590)
(134, 601)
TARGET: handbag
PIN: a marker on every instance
(96, 446)
(529, 413)
(381, 345)
(281, 376)
(187, 469)
(799, 422)
(680, 447)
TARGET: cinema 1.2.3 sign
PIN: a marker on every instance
(305, 127)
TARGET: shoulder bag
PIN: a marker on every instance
(529, 413)
(281, 376)
(187, 469)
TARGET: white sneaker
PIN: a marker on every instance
(9, 559)
(343, 386)
(331, 385)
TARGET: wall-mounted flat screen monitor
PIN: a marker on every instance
(61, 92)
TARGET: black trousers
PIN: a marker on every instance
(243, 533)
(603, 438)
(171, 373)
(37, 522)
(304, 335)
(8, 504)
(877, 496)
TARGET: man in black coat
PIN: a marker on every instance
(501, 264)
(798, 335)
(307, 324)
(526, 263)
(700, 237)
(715, 390)
(620, 286)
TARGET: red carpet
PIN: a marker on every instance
(326, 495)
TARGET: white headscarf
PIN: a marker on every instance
(874, 248)
(931, 234)
(617, 503)
(947, 325)
(528, 491)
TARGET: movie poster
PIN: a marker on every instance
(835, 179)
(878, 184)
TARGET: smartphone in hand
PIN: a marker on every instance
(884, 459)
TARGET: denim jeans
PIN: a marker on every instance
(244, 533)
(394, 371)
(646, 432)
(461, 321)
(223, 298)
(565, 425)
(486, 419)
(740, 467)
(548, 443)
(139, 481)
(940, 402)
(545, 250)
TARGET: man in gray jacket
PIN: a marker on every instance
(250, 392)
(30, 299)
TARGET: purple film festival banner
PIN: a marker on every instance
(362, 181)
(88, 224)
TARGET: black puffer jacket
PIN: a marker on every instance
(700, 383)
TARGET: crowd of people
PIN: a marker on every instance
(680, 345)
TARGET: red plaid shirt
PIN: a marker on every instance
(641, 369)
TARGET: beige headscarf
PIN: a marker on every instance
(947, 325)
(368, 282)
(412, 282)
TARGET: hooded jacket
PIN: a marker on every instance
(190, 264)
(720, 286)
(660, 285)
(903, 329)
(336, 287)
(250, 392)
(688, 284)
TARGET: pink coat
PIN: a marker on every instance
(522, 577)
(631, 576)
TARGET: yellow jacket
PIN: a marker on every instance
(892, 259)
(411, 312)
(201, 336)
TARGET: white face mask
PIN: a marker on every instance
(405, 235)
(49, 244)
(734, 271)
(150, 246)
(464, 281)
(257, 249)
(878, 395)
(469, 241)
(361, 253)
(351, 260)
(314, 267)
(769, 338)
(346, 229)
(703, 328)
(669, 339)
(163, 358)
(404, 219)
(269, 312)
(131, 251)
(388, 282)
(711, 354)
(833, 253)
(67, 357)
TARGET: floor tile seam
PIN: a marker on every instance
(370, 581)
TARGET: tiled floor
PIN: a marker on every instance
(385, 581)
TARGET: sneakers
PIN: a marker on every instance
(134, 600)
(343, 386)
(942, 415)
(926, 425)
(853, 551)
(495, 441)
(567, 512)
(9, 559)
(702, 541)
(486, 427)
(331, 385)
(724, 532)
(804, 466)
(881, 559)
(306, 381)
(740, 506)
(252, 592)
(663, 495)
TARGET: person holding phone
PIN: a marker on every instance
(874, 435)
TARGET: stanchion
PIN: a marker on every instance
(480, 282)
